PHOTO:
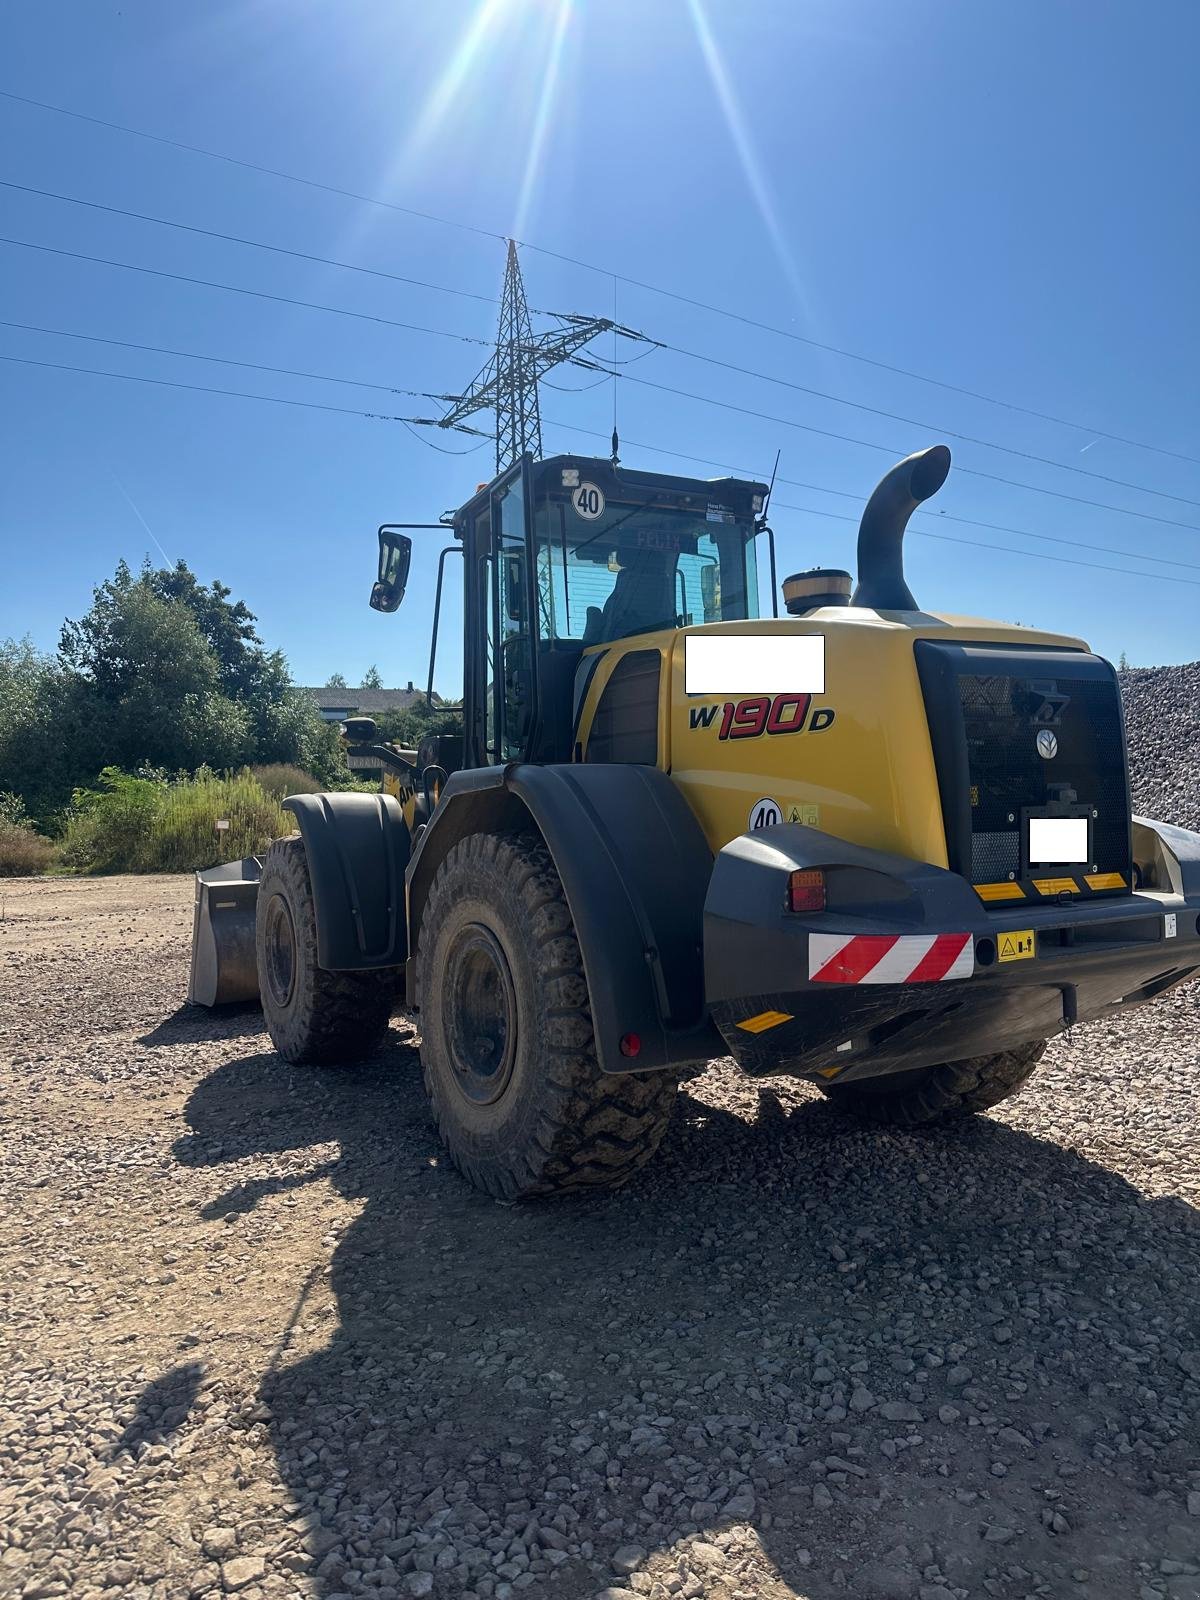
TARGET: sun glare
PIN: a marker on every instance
(743, 144)
(541, 121)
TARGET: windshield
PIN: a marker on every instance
(639, 567)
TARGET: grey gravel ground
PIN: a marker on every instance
(258, 1339)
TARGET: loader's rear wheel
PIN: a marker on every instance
(312, 1015)
(506, 1032)
(931, 1095)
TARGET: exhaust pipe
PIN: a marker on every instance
(881, 585)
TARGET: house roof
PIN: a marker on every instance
(365, 700)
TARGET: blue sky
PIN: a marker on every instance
(999, 197)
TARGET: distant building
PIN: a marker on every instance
(335, 705)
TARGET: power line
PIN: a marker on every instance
(237, 394)
(588, 266)
(1007, 549)
(931, 427)
(463, 338)
(691, 355)
(892, 450)
(419, 394)
(233, 288)
(1133, 555)
(255, 244)
(409, 422)
(225, 361)
(250, 166)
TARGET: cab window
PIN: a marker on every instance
(640, 568)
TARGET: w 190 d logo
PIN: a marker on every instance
(762, 713)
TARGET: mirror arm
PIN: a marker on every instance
(450, 549)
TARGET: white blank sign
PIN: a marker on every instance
(1058, 840)
(772, 663)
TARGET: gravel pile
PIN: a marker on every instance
(258, 1340)
(1162, 719)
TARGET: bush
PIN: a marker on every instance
(23, 852)
(281, 778)
(107, 828)
(143, 824)
(184, 836)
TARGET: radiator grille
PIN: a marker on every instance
(987, 706)
(1002, 717)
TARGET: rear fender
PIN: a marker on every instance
(357, 847)
(635, 867)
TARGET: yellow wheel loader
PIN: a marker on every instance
(887, 851)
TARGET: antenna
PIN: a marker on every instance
(762, 521)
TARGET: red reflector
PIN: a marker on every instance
(631, 1044)
(806, 891)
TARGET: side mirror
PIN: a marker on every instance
(395, 553)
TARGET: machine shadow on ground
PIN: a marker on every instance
(477, 1343)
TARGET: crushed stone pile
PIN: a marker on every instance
(1162, 718)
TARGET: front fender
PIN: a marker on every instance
(358, 848)
(635, 867)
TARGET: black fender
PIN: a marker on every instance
(358, 848)
(635, 866)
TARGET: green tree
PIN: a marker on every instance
(241, 700)
(408, 725)
(162, 671)
(372, 678)
(335, 681)
(47, 736)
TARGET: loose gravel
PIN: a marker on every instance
(259, 1340)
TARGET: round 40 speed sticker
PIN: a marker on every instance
(588, 501)
(764, 814)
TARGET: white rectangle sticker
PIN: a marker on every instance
(771, 663)
(1055, 841)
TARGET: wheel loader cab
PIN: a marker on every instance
(569, 556)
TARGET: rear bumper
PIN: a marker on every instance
(905, 968)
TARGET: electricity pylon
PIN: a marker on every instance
(508, 383)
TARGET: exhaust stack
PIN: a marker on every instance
(881, 584)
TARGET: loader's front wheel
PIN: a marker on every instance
(506, 1032)
(312, 1015)
(931, 1095)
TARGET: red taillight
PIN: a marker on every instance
(631, 1044)
(806, 890)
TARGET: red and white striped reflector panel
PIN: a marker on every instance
(887, 958)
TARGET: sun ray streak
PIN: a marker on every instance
(541, 121)
(743, 144)
(445, 91)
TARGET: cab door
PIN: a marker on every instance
(501, 621)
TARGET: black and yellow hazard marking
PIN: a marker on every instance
(1105, 880)
(999, 891)
(764, 1020)
(1052, 886)
(1019, 946)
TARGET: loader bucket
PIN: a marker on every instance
(224, 965)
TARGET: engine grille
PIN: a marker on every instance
(986, 708)
(1002, 717)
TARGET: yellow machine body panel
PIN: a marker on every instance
(854, 760)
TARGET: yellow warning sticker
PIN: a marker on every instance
(1017, 946)
(810, 816)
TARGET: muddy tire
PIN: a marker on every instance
(312, 1015)
(506, 1032)
(932, 1095)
